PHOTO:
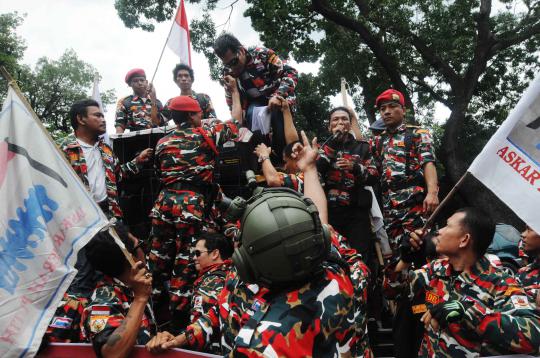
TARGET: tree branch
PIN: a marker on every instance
(390, 65)
(514, 37)
(363, 7)
(439, 97)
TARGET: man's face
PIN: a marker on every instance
(339, 121)
(234, 61)
(184, 80)
(290, 165)
(94, 121)
(204, 258)
(450, 238)
(392, 113)
(139, 84)
(531, 241)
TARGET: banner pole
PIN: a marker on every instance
(447, 198)
(165, 44)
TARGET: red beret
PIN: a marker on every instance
(184, 104)
(390, 95)
(135, 72)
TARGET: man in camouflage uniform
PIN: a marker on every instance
(212, 261)
(262, 77)
(186, 160)
(118, 315)
(184, 77)
(470, 307)
(308, 312)
(345, 168)
(140, 110)
(529, 276)
(404, 158)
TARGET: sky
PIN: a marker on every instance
(93, 29)
(98, 36)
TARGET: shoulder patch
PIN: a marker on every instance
(520, 302)
(512, 289)
(61, 322)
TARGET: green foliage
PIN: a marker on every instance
(312, 107)
(51, 86)
(140, 13)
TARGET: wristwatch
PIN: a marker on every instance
(262, 158)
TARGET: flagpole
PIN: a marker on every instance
(165, 44)
(446, 199)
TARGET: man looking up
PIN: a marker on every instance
(471, 307)
(404, 158)
(184, 77)
(261, 76)
(140, 110)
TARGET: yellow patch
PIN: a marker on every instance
(395, 97)
(510, 290)
(432, 298)
(97, 323)
(419, 309)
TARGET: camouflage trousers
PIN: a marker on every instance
(402, 215)
(177, 218)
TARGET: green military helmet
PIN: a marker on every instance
(283, 240)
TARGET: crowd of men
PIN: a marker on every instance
(288, 271)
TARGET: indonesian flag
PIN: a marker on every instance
(178, 40)
(509, 164)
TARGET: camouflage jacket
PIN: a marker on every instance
(314, 320)
(264, 75)
(107, 309)
(340, 184)
(114, 171)
(390, 158)
(292, 181)
(185, 155)
(204, 101)
(359, 274)
(65, 324)
(529, 277)
(206, 290)
(134, 113)
(499, 318)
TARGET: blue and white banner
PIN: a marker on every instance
(509, 164)
(46, 216)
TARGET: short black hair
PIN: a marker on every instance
(216, 241)
(480, 226)
(180, 117)
(340, 108)
(105, 255)
(287, 151)
(225, 42)
(80, 108)
(184, 67)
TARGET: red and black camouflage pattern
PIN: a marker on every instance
(134, 113)
(402, 208)
(65, 324)
(114, 171)
(529, 278)
(500, 319)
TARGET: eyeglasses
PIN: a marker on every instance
(198, 253)
(232, 63)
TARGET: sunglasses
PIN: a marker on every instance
(232, 63)
(198, 253)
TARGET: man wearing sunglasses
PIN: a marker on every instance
(262, 77)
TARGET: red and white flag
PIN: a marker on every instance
(178, 40)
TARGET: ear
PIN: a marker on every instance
(466, 241)
(81, 120)
(214, 255)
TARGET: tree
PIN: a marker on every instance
(474, 56)
(53, 85)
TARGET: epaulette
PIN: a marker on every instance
(417, 129)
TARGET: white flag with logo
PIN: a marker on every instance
(509, 164)
(46, 216)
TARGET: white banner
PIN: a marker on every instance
(46, 216)
(509, 164)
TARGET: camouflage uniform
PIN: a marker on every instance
(359, 274)
(264, 74)
(292, 181)
(204, 102)
(316, 319)
(107, 309)
(186, 163)
(349, 203)
(206, 290)
(499, 318)
(134, 113)
(114, 171)
(403, 188)
(65, 324)
(529, 277)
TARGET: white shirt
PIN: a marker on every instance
(95, 170)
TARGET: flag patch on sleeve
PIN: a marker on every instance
(100, 311)
(61, 322)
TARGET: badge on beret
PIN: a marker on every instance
(395, 97)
